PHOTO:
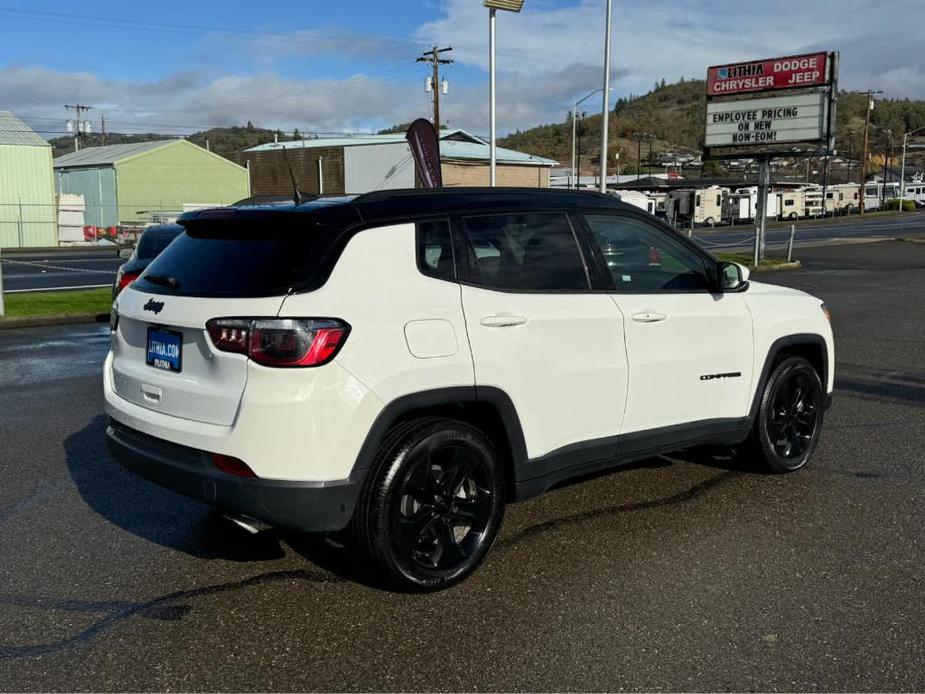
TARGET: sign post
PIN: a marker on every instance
(767, 108)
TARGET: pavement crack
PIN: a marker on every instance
(163, 608)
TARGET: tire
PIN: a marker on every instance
(793, 215)
(709, 221)
(789, 418)
(432, 504)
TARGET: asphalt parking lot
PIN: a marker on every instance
(688, 572)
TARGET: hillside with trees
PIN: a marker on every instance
(672, 114)
(675, 114)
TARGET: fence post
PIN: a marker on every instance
(793, 229)
(2, 309)
(20, 223)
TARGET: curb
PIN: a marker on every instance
(41, 321)
(780, 267)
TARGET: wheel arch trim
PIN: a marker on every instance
(781, 344)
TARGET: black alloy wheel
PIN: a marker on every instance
(433, 504)
(790, 416)
(445, 507)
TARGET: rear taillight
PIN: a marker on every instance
(282, 342)
(124, 279)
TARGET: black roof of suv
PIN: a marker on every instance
(395, 205)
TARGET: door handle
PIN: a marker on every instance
(649, 317)
(502, 320)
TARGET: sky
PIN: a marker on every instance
(178, 67)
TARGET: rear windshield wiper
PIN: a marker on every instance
(163, 280)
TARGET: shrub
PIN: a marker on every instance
(908, 205)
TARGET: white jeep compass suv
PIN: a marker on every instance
(402, 364)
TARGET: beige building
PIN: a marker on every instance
(364, 163)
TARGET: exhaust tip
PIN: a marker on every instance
(251, 525)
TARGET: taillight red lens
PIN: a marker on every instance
(280, 342)
(230, 334)
(231, 465)
(126, 278)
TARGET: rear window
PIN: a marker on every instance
(239, 262)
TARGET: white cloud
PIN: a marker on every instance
(548, 55)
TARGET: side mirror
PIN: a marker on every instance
(732, 277)
(126, 253)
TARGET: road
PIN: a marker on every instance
(59, 270)
(686, 572)
(68, 269)
(814, 234)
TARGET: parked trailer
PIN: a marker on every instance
(876, 193)
(697, 205)
(742, 205)
(916, 193)
(637, 199)
(792, 204)
(843, 198)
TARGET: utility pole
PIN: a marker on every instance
(103, 128)
(848, 175)
(433, 57)
(79, 123)
(868, 107)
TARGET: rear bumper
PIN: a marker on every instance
(297, 505)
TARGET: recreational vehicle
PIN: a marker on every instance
(876, 193)
(700, 205)
(742, 205)
(637, 199)
(842, 199)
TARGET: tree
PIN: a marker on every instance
(296, 135)
(250, 126)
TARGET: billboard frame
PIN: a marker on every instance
(808, 148)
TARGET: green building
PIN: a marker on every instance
(137, 183)
(27, 187)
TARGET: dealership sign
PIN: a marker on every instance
(767, 120)
(810, 70)
(779, 106)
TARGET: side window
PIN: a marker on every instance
(435, 250)
(525, 252)
(644, 259)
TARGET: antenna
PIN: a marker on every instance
(297, 196)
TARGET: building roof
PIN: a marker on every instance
(108, 155)
(14, 132)
(455, 145)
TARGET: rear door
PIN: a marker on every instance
(690, 351)
(538, 333)
(163, 358)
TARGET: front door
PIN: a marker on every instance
(690, 350)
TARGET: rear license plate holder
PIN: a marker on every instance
(164, 349)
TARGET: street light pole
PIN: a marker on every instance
(605, 103)
(575, 173)
(902, 174)
(493, 5)
(491, 96)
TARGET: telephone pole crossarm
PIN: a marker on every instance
(433, 57)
